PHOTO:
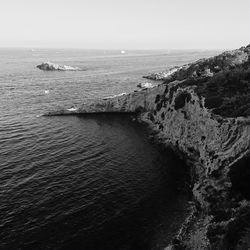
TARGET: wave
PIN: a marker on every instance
(109, 97)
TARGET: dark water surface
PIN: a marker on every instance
(74, 182)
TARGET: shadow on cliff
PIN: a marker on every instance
(240, 177)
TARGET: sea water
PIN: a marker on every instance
(76, 182)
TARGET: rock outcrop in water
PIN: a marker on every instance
(48, 66)
(145, 85)
(203, 111)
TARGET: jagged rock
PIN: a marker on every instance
(48, 66)
(203, 111)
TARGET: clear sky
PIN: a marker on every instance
(125, 24)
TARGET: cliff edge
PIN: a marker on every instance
(202, 110)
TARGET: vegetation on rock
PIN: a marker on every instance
(226, 88)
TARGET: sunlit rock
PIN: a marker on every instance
(145, 85)
(48, 66)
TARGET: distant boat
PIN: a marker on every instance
(123, 52)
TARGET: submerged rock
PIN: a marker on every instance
(203, 111)
(48, 66)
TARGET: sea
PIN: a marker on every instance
(84, 182)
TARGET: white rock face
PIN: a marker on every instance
(162, 75)
(145, 85)
(48, 66)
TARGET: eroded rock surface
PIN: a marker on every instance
(203, 111)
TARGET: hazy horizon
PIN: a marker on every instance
(128, 25)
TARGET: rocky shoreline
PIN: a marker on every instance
(202, 110)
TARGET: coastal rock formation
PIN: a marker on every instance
(202, 110)
(159, 76)
(204, 67)
(48, 66)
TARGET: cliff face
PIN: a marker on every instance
(213, 146)
(202, 110)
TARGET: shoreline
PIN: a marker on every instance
(198, 115)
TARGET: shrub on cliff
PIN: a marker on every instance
(244, 241)
(232, 90)
(227, 92)
(181, 99)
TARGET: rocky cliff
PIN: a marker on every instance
(202, 110)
